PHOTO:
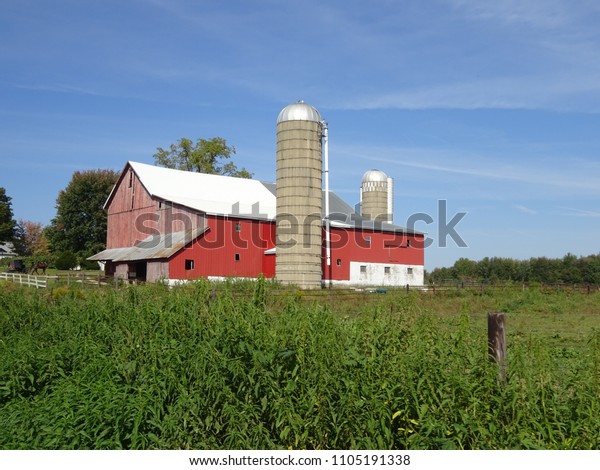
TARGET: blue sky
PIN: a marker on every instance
(491, 106)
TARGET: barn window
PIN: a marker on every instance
(363, 269)
(130, 178)
(387, 270)
(160, 204)
(368, 241)
(237, 256)
(408, 243)
(339, 262)
(238, 227)
(189, 264)
(409, 270)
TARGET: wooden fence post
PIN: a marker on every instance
(497, 342)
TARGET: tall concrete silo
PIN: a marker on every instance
(376, 196)
(299, 196)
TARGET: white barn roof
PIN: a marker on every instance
(212, 194)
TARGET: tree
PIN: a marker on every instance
(591, 269)
(30, 239)
(205, 156)
(571, 270)
(80, 222)
(7, 221)
(465, 269)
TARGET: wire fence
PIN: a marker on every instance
(99, 279)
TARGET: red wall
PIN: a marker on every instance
(351, 245)
(214, 253)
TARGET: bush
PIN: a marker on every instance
(88, 265)
(65, 260)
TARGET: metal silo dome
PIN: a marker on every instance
(374, 176)
(376, 196)
(299, 111)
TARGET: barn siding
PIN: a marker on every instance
(157, 270)
(214, 254)
(122, 270)
(133, 214)
(387, 248)
(129, 202)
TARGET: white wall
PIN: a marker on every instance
(375, 274)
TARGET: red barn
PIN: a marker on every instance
(175, 225)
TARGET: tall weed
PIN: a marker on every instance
(216, 366)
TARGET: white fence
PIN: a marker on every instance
(25, 279)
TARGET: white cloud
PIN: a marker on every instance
(59, 88)
(526, 92)
(537, 13)
(532, 174)
(525, 209)
(581, 212)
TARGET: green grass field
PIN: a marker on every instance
(248, 366)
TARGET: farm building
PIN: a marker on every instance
(7, 250)
(174, 225)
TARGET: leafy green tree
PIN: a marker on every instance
(503, 269)
(80, 223)
(522, 270)
(205, 156)
(65, 260)
(30, 239)
(7, 221)
(465, 269)
(545, 270)
(591, 269)
(571, 271)
(484, 270)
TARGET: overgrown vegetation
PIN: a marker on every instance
(237, 366)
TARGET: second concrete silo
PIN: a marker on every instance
(299, 196)
(376, 195)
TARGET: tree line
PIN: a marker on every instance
(570, 269)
